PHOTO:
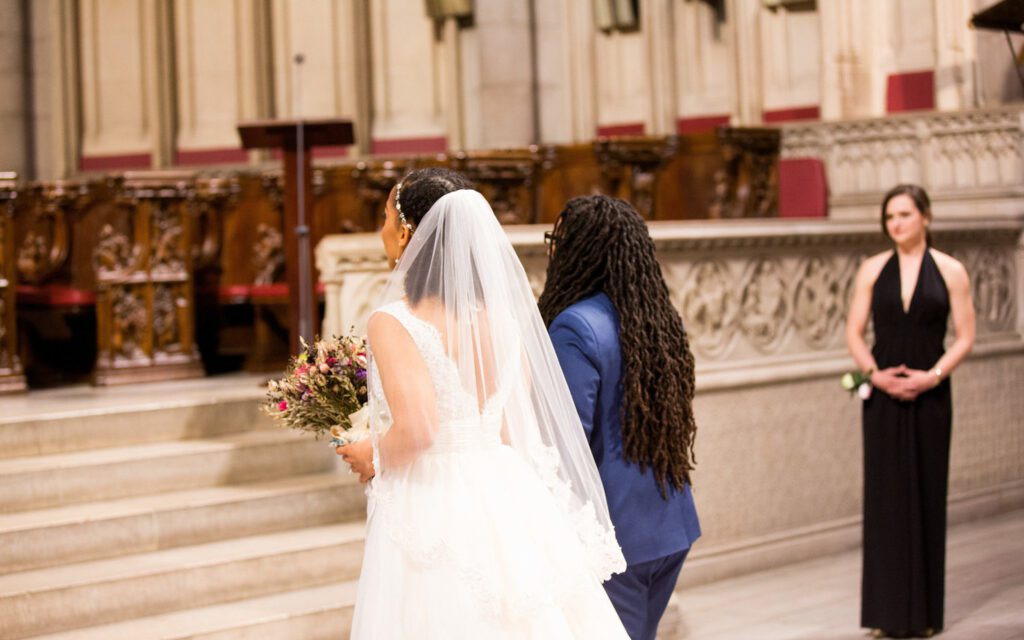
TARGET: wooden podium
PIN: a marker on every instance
(285, 135)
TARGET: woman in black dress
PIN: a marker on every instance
(910, 291)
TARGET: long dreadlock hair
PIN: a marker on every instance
(601, 244)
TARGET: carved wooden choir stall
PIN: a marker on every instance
(11, 378)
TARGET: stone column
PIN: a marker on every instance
(222, 56)
(624, 81)
(658, 20)
(565, 66)
(704, 68)
(743, 18)
(496, 75)
(330, 34)
(955, 55)
(126, 84)
(408, 96)
(790, 64)
(854, 50)
(56, 91)
(13, 117)
(452, 84)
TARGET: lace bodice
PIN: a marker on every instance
(461, 423)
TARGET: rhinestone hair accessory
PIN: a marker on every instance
(398, 206)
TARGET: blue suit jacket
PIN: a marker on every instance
(586, 339)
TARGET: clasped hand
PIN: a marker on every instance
(359, 456)
(903, 383)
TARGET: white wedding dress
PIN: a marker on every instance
(489, 531)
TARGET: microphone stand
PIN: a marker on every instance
(302, 227)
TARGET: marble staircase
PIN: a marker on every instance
(171, 511)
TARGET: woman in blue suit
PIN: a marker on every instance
(626, 357)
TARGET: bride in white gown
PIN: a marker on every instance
(487, 518)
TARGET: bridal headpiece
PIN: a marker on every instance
(398, 207)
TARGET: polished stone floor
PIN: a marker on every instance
(820, 599)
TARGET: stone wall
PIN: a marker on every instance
(779, 447)
(971, 162)
(516, 73)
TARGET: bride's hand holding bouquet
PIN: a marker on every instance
(324, 391)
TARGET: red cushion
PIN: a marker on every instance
(266, 293)
(803, 188)
(234, 293)
(54, 296)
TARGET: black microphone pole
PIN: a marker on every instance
(302, 226)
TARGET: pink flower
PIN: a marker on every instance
(283, 406)
(864, 391)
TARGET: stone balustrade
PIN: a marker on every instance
(971, 162)
(778, 476)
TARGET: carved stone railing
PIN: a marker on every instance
(145, 300)
(11, 376)
(971, 162)
(760, 299)
(779, 475)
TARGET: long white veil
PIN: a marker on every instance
(461, 280)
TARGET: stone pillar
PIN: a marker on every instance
(743, 20)
(126, 84)
(624, 80)
(955, 55)
(452, 85)
(565, 66)
(790, 64)
(495, 74)
(13, 117)
(704, 69)
(223, 76)
(56, 93)
(330, 34)
(409, 107)
(853, 38)
(659, 26)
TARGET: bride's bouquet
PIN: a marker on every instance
(324, 390)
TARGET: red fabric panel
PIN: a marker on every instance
(267, 293)
(54, 296)
(791, 114)
(330, 152)
(803, 188)
(411, 145)
(234, 293)
(627, 129)
(701, 124)
(210, 156)
(910, 91)
(111, 163)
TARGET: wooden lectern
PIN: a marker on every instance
(285, 135)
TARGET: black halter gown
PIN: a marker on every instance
(906, 461)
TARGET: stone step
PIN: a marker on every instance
(320, 613)
(87, 476)
(82, 418)
(95, 530)
(150, 584)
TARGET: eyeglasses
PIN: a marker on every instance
(550, 238)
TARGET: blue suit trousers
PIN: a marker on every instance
(640, 594)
